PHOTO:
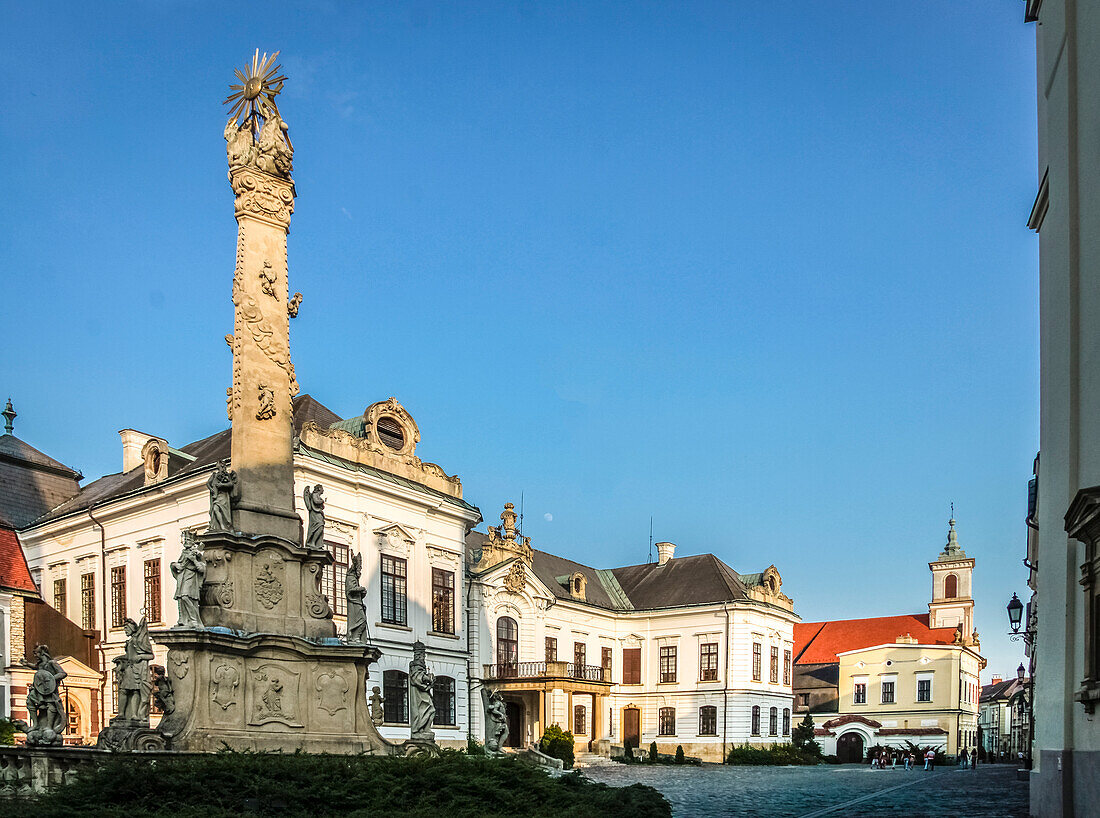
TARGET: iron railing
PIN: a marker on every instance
(538, 670)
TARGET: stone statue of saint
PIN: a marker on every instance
(132, 671)
(162, 691)
(496, 720)
(189, 571)
(44, 700)
(275, 155)
(315, 509)
(377, 714)
(240, 147)
(354, 591)
(421, 681)
(225, 490)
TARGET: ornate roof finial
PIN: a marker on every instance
(9, 417)
(952, 546)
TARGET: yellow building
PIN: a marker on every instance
(896, 680)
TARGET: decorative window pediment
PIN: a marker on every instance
(395, 538)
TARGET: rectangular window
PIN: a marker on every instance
(773, 670)
(605, 663)
(757, 650)
(152, 590)
(87, 601)
(579, 726)
(59, 594)
(803, 699)
(443, 601)
(786, 721)
(334, 577)
(708, 662)
(773, 721)
(924, 690)
(632, 666)
(394, 590)
(668, 664)
(708, 721)
(118, 596)
(756, 719)
(859, 693)
(551, 649)
(787, 668)
(887, 691)
(666, 721)
(580, 657)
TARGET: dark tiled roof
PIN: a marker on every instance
(14, 573)
(205, 452)
(31, 483)
(1004, 689)
(691, 580)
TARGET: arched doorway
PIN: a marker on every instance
(632, 727)
(849, 749)
(513, 711)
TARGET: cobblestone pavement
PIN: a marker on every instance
(991, 791)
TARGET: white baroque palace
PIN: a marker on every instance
(681, 652)
(113, 544)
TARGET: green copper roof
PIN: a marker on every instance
(355, 426)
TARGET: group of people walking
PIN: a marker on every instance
(883, 759)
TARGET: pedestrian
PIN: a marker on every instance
(973, 759)
(893, 761)
(930, 759)
(908, 761)
(964, 758)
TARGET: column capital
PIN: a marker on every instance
(263, 197)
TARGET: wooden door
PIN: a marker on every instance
(514, 714)
(849, 749)
(632, 727)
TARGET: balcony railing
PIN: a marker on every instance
(540, 670)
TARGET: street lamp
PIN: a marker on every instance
(1015, 613)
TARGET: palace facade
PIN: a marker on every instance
(682, 652)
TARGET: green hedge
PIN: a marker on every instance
(231, 785)
(559, 744)
(777, 755)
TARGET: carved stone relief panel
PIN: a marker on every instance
(395, 539)
(332, 692)
(268, 585)
(225, 682)
(273, 693)
(444, 558)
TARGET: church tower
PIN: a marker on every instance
(952, 604)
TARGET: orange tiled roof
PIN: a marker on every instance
(13, 565)
(820, 642)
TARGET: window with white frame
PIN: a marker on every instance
(859, 690)
(924, 687)
(889, 686)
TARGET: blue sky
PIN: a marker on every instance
(760, 271)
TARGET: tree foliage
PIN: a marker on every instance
(559, 744)
(802, 737)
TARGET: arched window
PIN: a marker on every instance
(666, 721)
(950, 586)
(755, 720)
(786, 721)
(395, 692)
(507, 642)
(773, 721)
(708, 720)
(443, 695)
(579, 726)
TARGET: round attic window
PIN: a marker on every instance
(390, 433)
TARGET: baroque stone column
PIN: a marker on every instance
(263, 375)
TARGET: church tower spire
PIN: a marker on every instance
(952, 604)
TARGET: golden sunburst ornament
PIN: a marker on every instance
(254, 97)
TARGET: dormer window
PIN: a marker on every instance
(577, 584)
(154, 454)
(390, 433)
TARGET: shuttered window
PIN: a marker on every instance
(632, 666)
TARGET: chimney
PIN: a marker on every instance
(996, 680)
(665, 551)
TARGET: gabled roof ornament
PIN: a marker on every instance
(9, 417)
